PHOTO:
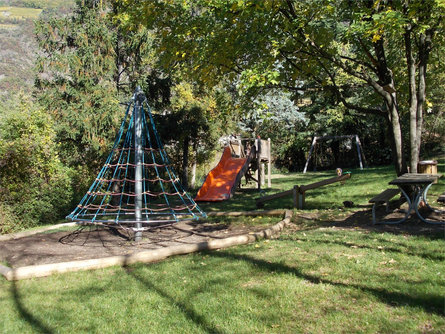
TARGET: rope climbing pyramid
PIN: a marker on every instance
(136, 187)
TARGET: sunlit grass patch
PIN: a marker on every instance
(7, 26)
(19, 13)
(43, 3)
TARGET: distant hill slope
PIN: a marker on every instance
(18, 47)
(17, 54)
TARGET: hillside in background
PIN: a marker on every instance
(18, 47)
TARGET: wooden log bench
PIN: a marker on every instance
(299, 192)
(383, 198)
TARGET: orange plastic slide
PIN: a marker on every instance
(220, 182)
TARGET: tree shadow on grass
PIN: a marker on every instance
(412, 226)
(37, 325)
(362, 219)
(429, 302)
(393, 249)
(198, 319)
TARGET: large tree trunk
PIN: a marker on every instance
(413, 102)
(421, 93)
(424, 50)
(393, 116)
(194, 165)
(385, 87)
(185, 162)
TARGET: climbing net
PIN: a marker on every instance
(137, 185)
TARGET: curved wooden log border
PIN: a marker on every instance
(144, 256)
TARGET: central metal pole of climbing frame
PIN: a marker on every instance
(138, 155)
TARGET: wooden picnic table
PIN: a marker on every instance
(415, 186)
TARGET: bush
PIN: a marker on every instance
(34, 185)
(9, 222)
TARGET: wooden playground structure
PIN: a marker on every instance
(241, 157)
(240, 147)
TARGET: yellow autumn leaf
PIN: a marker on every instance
(376, 38)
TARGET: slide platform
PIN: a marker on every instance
(221, 182)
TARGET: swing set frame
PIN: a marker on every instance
(360, 154)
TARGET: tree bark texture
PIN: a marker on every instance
(194, 165)
(411, 66)
(185, 162)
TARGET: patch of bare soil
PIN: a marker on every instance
(92, 242)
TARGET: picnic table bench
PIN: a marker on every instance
(383, 198)
(414, 188)
(299, 192)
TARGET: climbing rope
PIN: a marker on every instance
(111, 198)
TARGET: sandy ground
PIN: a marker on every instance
(91, 242)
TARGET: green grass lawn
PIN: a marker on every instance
(360, 188)
(317, 277)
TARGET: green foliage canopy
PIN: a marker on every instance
(371, 56)
(75, 82)
(87, 64)
(34, 185)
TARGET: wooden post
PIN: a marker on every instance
(314, 141)
(258, 160)
(295, 196)
(269, 165)
(301, 200)
(263, 173)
